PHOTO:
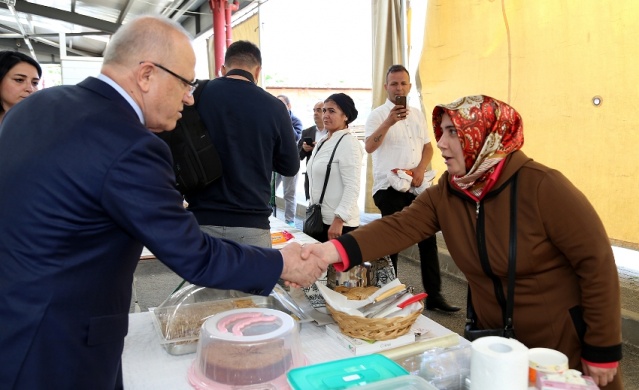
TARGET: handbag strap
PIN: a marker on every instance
(328, 167)
(508, 307)
(512, 257)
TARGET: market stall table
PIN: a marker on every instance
(146, 365)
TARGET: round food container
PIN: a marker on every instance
(246, 347)
(545, 361)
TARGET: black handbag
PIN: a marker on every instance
(313, 224)
(471, 332)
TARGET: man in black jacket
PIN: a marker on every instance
(251, 130)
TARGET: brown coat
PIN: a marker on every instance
(566, 277)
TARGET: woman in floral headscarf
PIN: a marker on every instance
(566, 294)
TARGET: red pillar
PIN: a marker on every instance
(222, 31)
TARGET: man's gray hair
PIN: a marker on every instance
(145, 38)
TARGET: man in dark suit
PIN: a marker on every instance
(85, 185)
(315, 133)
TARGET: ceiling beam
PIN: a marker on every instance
(22, 30)
(42, 35)
(47, 42)
(179, 12)
(124, 12)
(65, 16)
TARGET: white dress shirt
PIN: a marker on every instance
(402, 145)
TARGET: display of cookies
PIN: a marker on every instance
(185, 321)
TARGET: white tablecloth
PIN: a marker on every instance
(277, 225)
(147, 365)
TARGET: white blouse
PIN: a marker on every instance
(342, 190)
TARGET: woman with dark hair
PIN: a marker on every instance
(340, 212)
(19, 78)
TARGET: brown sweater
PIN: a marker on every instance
(567, 287)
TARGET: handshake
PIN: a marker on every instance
(304, 264)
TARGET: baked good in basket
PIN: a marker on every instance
(371, 328)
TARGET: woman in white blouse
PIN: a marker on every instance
(340, 212)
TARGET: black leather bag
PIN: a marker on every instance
(313, 224)
(472, 334)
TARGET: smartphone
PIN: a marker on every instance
(400, 101)
(309, 141)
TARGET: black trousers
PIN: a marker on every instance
(390, 201)
(323, 236)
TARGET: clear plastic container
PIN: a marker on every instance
(406, 382)
(179, 318)
(444, 368)
(246, 349)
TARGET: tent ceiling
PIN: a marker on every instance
(35, 25)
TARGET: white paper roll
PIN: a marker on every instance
(498, 363)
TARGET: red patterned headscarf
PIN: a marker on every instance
(489, 130)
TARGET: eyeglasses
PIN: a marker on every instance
(192, 84)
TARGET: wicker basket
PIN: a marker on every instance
(374, 328)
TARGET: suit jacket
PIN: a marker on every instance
(297, 126)
(84, 186)
(309, 132)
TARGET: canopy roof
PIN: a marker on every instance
(35, 25)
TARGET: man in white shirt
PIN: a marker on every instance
(397, 137)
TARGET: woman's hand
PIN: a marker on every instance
(335, 230)
(601, 376)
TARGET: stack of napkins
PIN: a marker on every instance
(341, 303)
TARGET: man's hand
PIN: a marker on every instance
(301, 269)
(418, 176)
(601, 376)
(398, 113)
(308, 148)
(373, 141)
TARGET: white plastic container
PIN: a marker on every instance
(246, 348)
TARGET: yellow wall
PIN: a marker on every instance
(548, 59)
(249, 30)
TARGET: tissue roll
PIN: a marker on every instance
(498, 363)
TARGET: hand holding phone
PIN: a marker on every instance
(400, 101)
(309, 141)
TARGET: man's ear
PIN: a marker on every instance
(143, 76)
(223, 70)
(256, 74)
